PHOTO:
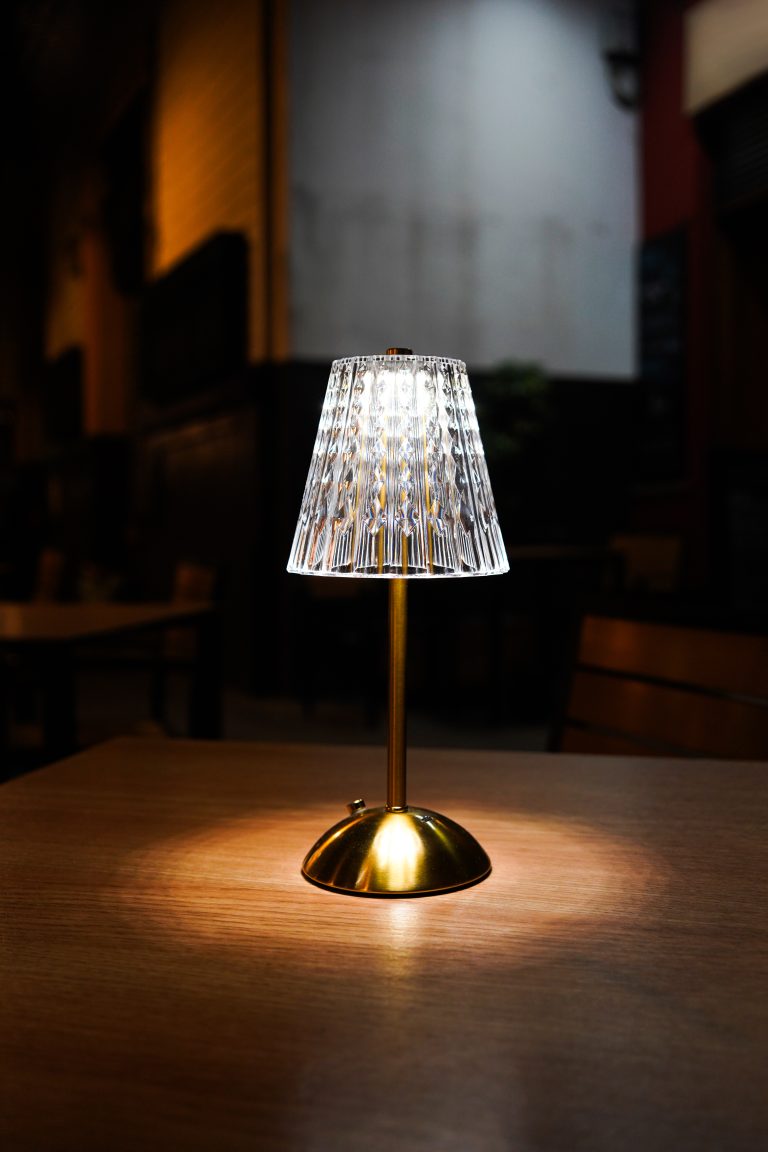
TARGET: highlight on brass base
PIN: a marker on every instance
(395, 852)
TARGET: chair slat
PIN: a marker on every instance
(722, 661)
(657, 689)
(702, 724)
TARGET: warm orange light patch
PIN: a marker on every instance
(239, 881)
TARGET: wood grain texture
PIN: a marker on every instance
(171, 982)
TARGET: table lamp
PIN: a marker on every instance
(398, 489)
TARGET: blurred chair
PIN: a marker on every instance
(192, 583)
(661, 689)
(50, 576)
(651, 564)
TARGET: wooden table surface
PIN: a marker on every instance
(171, 982)
(30, 623)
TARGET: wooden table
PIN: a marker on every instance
(47, 636)
(173, 983)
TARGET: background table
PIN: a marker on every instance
(47, 636)
(171, 982)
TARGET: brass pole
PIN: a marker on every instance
(398, 622)
(398, 627)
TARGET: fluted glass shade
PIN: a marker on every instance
(398, 484)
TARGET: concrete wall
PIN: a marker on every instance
(461, 183)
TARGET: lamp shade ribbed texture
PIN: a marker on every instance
(398, 484)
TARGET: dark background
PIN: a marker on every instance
(647, 497)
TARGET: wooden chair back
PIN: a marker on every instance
(651, 563)
(194, 581)
(191, 582)
(49, 578)
(661, 689)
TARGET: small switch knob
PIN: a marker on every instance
(355, 807)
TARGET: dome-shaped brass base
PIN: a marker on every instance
(396, 852)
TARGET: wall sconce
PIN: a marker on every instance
(620, 54)
(624, 77)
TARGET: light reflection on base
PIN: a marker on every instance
(385, 852)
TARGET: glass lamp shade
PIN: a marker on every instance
(398, 484)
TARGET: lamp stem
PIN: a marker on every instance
(398, 622)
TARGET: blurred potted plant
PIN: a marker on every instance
(515, 410)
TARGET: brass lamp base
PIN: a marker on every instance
(395, 852)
